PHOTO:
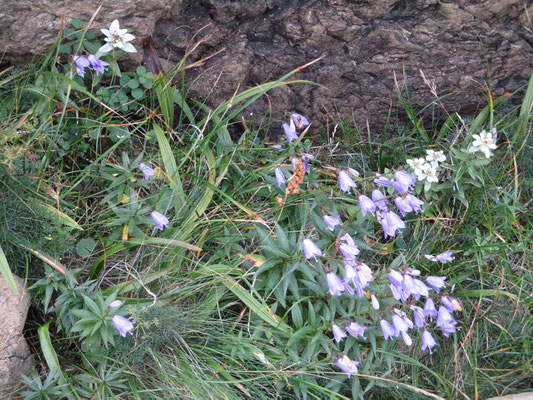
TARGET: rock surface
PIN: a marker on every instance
(519, 396)
(15, 356)
(462, 46)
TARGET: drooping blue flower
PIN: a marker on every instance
(375, 302)
(280, 178)
(311, 250)
(123, 325)
(332, 222)
(147, 171)
(382, 181)
(399, 323)
(436, 282)
(420, 289)
(403, 205)
(428, 342)
(415, 203)
(379, 199)
(445, 321)
(349, 367)
(391, 222)
(395, 278)
(356, 329)
(338, 333)
(81, 63)
(160, 220)
(429, 309)
(451, 304)
(99, 66)
(335, 284)
(403, 181)
(366, 205)
(346, 182)
(299, 120)
(290, 131)
(388, 330)
(445, 257)
(407, 339)
(349, 252)
(418, 316)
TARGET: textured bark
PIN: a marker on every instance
(461, 46)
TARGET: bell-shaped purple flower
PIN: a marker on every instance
(429, 309)
(335, 284)
(280, 178)
(407, 339)
(445, 257)
(403, 181)
(389, 332)
(290, 131)
(332, 222)
(299, 120)
(123, 325)
(451, 304)
(115, 303)
(356, 329)
(403, 205)
(399, 323)
(375, 302)
(379, 199)
(147, 171)
(428, 342)
(415, 203)
(397, 292)
(81, 63)
(367, 205)
(349, 252)
(348, 289)
(97, 65)
(418, 316)
(445, 321)
(349, 367)
(395, 278)
(436, 282)
(311, 250)
(160, 220)
(420, 289)
(382, 181)
(338, 333)
(346, 182)
(391, 222)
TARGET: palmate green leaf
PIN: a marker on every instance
(5, 271)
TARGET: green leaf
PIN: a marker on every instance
(85, 247)
(137, 93)
(6, 272)
(76, 23)
(48, 350)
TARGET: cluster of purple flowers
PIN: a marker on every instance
(403, 286)
(91, 62)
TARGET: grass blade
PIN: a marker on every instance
(6, 272)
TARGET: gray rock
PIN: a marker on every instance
(463, 46)
(15, 356)
(518, 396)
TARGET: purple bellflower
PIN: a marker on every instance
(338, 333)
(299, 120)
(332, 222)
(382, 181)
(335, 284)
(123, 325)
(147, 171)
(379, 199)
(445, 321)
(428, 342)
(436, 282)
(395, 278)
(356, 329)
(280, 178)
(388, 330)
(451, 304)
(290, 131)
(97, 65)
(429, 309)
(366, 205)
(407, 339)
(445, 257)
(403, 205)
(81, 63)
(346, 182)
(349, 367)
(415, 203)
(418, 316)
(391, 223)
(403, 181)
(160, 220)
(375, 302)
(349, 252)
(311, 250)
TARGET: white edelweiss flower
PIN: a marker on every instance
(435, 156)
(484, 142)
(418, 165)
(117, 38)
(430, 173)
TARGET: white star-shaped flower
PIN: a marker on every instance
(117, 38)
(417, 164)
(484, 142)
(435, 156)
(430, 173)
